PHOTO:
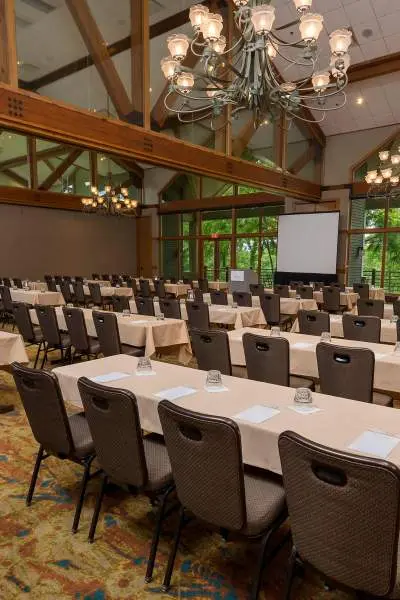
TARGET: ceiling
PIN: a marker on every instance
(48, 39)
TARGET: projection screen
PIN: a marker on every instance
(308, 242)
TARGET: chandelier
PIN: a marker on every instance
(110, 201)
(244, 76)
(384, 181)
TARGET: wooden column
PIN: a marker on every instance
(94, 178)
(140, 61)
(32, 160)
(8, 52)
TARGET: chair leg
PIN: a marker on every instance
(156, 537)
(260, 566)
(85, 479)
(35, 474)
(291, 568)
(46, 347)
(96, 513)
(172, 556)
(37, 355)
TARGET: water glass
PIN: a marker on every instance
(70, 305)
(298, 297)
(394, 319)
(190, 295)
(326, 336)
(160, 317)
(275, 332)
(126, 312)
(397, 348)
(234, 305)
(303, 396)
(214, 379)
(144, 366)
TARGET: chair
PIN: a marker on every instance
(144, 285)
(362, 289)
(340, 286)
(54, 338)
(331, 299)
(58, 435)
(32, 335)
(256, 289)
(313, 322)
(79, 294)
(396, 307)
(198, 295)
(125, 456)
(171, 308)
(187, 281)
(105, 277)
(58, 279)
(203, 284)
(95, 276)
(17, 282)
(131, 283)
(319, 286)
(107, 331)
(198, 315)
(96, 297)
(268, 360)
(83, 344)
(220, 490)
(295, 284)
(219, 297)
(51, 285)
(79, 278)
(65, 289)
(120, 303)
(362, 329)
(348, 373)
(398, 330)
(370, 308)
(346, 540)
(305, 292)
(271, 307)
(145, 306)
(7, 305)
(243, 299)
(211, 349)
(7, 282)
(282, 291)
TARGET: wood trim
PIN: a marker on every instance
(18, 161)
(220, 202)
(60, 170)
(374, 68)
(39, 198)
(375, 150)
(94, 173)
(140, 62)
(8, 54)
(17, 178)
(32, 160)
(303, 160)
(54, 120)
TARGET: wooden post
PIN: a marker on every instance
(32, 160)
(8, 53)
(140, 61)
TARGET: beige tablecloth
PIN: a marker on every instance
(374, 293)
(214, 285)
(348, 299)
(303, 360)
(108, 290)
(40, 286)
(337, 424)
(388, 311)
(12, 348)
(101, 282)
(289, 306)
(388, 329)
(179, 289)
(37, 297)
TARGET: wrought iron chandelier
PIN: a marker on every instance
(110, 201)
(384, 181)
(244, 76)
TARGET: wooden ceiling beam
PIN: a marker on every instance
(8, 45)
(140, 63)
(374, 68)
(39, 198)
(302, 160)
(60, 170)
(18, 161)
(15, 177)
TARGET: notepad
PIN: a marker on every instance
(147, 374)
(304, 409)
(376, 443)
(176, 392)
(113, 376)
(302, 345)
(216, 389)
(257, 414)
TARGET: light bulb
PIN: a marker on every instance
(168, 67)
(302, 5)
(134, 203)
(384, 155)
(340, 41)
(310, 26)
(197, 14)
(185, 82)
(83, 200)
(394, 180)
(114, 199)
(107, 188)
(178, 45)
(220, 45)
(378, 179)
(124, 191)
(239, 3)
(320, 81)
(93, 189)
(211, 27)
(263, 18)
(118, 205)
(100, 200)
(340, 64)
(387, 173)
(271, 50)
(395, 159)
(372, 175)
(94, 204)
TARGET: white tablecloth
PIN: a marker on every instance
(374, 293)
(12, 348)
(214, 285)
(108, 290)
(388, 329)
(40, 286)
(37, 297)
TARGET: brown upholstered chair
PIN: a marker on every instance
(313, 322)
(171, 308)
(145, 306)
(125, 456)
(54, 338)
(82, 343)
(105, 276)
(256, 289)
(65, 289)
(343, 512)
(17, 282)
(331, 299)
(96, 297)
(159, 288)
(242, 298)
(271, 307)
(120, 303)
(396, 307)
(95, 276)
(79, 293)
(203, 284)
(362, 289)
(305, 291)
(198, 295)
(52, 285)
(362, 329)
(213, 485)
(219, 297)
(7, 282)
(370, 308)
(211, 349)
(198, 315)
(7, 305)
(57, 434)
(282, 291)
(31, 334)
(348, 373)
(106, 325)
(268, 360)
(144, 285)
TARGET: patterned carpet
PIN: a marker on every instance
(41, 560)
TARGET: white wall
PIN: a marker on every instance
(155, 179)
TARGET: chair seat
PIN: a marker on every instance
(38, 335)
(265, 501)
(81, 435)
(158, 464)
(382, 399)
(65, 340)
(301, 382)
(132, 350)
(94, 346)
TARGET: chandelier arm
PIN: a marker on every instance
(193, 120)
(298, 44)
(297, 116)
(324, 95)
(294, 62)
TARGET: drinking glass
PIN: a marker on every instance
(160, 317)
(144, 366)
(298, 297)
(234, 305)
(394, 319)
(397, 348)
(275, 332)
(126, 312)
(214, 379)
(326, 336)
(303, 396)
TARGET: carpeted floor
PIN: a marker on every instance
(40, 559)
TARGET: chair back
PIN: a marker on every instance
(51, 285)
(95, 276)
(188, 281)
(319, 286)
(95, 293)
(5, 295)
(171, 308)
(48, 278)
(271, 307)
(362, 329)
(198, 295)
(267, 358)
(331, 298)
(351, 541)
(144, 285)
(256, 289)
(198, 315)
(313, 322)
(159, 288)
(145, 306)
(362, 289)
(370, 308)
(79, 278)
(338, 285)
(211, 349)
(114, 423)
(398, 330)
(305, 291)
(107, 331)
(219, 297)
(396, 307)
(346, 372)
(209, 449)
(7, 282)
(66, 291)
(48, 324)
(105, 277)
(17, 282)
(67, 278)
(282, 291)
(76, 325)
(295, 284)
(243, 298)
(120, 303)
(58, 279)
(203, 284)
(79, 291)
(45, 409)
(23, 320)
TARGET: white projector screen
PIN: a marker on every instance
(308, 242)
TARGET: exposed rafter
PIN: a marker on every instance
(140, 63)
(18, 161)
(60, 170)
(32, 160)
(15, 177)
(303, 160)
(8, 54)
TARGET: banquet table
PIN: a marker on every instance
(12, 348)
(214, 285)
(348, 299)
(108, 290)
(388, 311)
(374, 293)
(40, 286)
(289, 306)
(137, 330)
(337, 423)
(101, 282)
(388, 329)
(303, 360)
(37, 297)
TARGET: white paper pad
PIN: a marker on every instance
(305, 409)
(257, 414)
(174, 393)
(373, 442)
(140, 322)
(216, 390)
(149, 374)
(302, 345)
(114, 376)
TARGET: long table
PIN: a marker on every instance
(12, 348)
(388, 329)
(37, 297)
(337, 424)
(289, 306)
(303, 359)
